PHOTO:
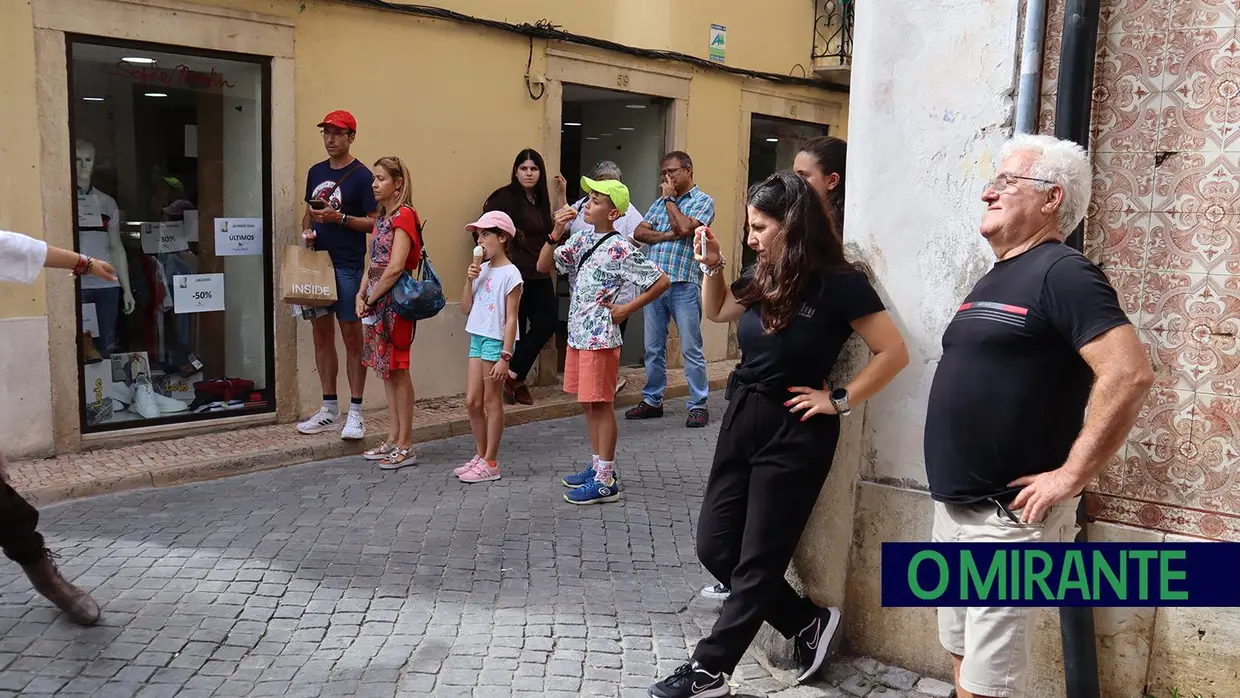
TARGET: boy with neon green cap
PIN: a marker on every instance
(598, 263)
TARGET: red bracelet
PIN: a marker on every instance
(82, 266)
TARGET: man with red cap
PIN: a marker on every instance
(339, 215)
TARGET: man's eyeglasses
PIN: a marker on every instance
(1005, 180)
(670, 171)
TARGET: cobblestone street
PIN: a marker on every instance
(336, 578)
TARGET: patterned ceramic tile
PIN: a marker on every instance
(1111, 479)
(1052, 47)
(1123, 182)
(1197, 361)
(1190, 14)
(1128, 92)
(1189, 303)
(1206, 184)
(1046, 114)
(1159, 447)
(1116, 240)
(1193, 241)
(1215, 454)
(1129, 285)
(1133, 16)
(1170, 519)
(1202, 84)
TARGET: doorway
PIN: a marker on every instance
(773, 145)
(630, 130)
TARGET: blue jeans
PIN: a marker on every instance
(348, 284)
(682, 303)
(107, 310)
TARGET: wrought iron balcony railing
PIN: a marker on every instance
(833, 25)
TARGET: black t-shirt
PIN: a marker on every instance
(353, 198)
(804, 352)
(532, 221)
(1008, 398)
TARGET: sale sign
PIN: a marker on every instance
(238, 236)
(161, 238)
(197, 293)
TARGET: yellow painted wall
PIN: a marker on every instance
(21, 209)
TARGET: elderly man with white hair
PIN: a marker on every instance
(1009, 445)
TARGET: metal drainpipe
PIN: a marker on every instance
(1072, 117)
(1031, 67)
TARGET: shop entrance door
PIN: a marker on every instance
(629, 130)
(773, 145)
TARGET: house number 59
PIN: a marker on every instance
(622, 80)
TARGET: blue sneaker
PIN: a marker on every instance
(578, 479)
(594, 492)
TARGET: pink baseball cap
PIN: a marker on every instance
(493, 219)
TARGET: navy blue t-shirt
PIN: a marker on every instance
(353, 198)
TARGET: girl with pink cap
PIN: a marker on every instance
(491, 299)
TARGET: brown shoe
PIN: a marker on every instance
(47, 580)
(521, 393)
(90, 354)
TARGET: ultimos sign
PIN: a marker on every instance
(1061, 574)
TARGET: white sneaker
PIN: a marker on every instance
(320, 422)
(354, 427)
(144, 397)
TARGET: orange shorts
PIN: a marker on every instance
(592, 375)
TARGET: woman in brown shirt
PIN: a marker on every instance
(526, 201)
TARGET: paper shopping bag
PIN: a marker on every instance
(307, 277)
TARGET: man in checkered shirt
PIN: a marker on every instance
(668, 229)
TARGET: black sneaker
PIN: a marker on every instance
(691, 681)
(816, 641)
(697, 418)
(644, 410)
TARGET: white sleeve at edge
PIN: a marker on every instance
(21, 257)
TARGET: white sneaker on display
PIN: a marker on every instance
(320, 422)
(144, 397)
(354, 427)
(169, 405)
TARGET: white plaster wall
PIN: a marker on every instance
(932, 87)
(25, 374)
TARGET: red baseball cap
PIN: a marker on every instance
(340, 119)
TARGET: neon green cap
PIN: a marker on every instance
(613, 189)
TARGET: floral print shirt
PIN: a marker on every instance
(614, 264)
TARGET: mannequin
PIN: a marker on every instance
(99, 236)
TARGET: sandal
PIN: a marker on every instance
(380, 452)
(399, 458)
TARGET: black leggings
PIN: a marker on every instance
(538, 316)
(19, 523)
(768, 470)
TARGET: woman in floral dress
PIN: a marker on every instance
(396, 247)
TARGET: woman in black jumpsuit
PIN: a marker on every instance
(794, 308)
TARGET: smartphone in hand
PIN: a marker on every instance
(317, 204)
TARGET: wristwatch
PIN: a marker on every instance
(505, 355)
(344, 218)
(839, 398)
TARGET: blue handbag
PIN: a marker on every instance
(421, 297)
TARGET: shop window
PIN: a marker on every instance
(171, 163)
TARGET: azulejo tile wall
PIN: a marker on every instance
(1164, 225)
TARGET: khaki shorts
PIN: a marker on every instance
(996, 642)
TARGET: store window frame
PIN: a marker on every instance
(264, 64)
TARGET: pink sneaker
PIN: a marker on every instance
(481, 472)
(461, 470)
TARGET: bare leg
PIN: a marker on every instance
(493, 396)
(605, 421)
(351, 332)
(404, 406)
(957, 660)
(475, 405)
(324, 330)
(592, 424)
(389, 389)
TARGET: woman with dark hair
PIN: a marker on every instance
(526, 201)
(794, 310)
(821, 163)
